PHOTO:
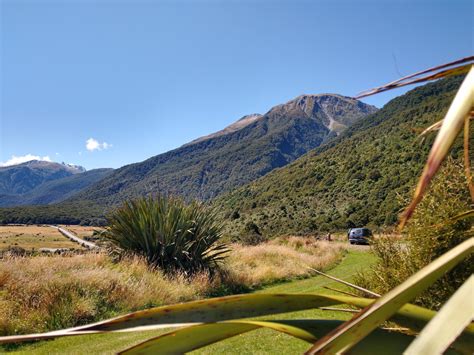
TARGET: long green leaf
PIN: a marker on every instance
(190, 338)
(351, 332)
(226, 308)
(452, 124)
(248, 306)
(467, 158)
(450, 321)
(222, 308)
(195, 337)
(205, 311)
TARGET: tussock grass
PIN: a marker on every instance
(44, 293)
(282, 258)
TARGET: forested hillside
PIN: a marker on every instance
(358, 179)
(54, 191)
(22, 178)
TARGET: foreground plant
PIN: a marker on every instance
(437, 226)
(169, 234)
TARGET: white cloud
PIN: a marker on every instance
(93, 144)
(14, 160)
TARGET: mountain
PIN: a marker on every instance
(22, 178)
(236, 155)
(360, 178)
(54, 191)
(239, 124)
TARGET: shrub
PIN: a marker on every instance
(169, 234)
(431, 233)
(250, 235)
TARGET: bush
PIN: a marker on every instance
(430, 233)
(169, 234)
(250, 235)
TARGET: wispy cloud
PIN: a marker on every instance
(14, 160)
(93, 144)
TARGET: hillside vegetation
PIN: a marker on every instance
(54, 191)
(84, 213)
(357, 179)
(244, 151)
(22, 178)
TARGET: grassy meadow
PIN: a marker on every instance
(32, 237)
(257, 342)
(44, 293)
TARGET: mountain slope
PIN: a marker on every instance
(357, 179)
(55, 191)
(22, 178)
(244, 151)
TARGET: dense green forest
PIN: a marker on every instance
(360, 178)
(85, 213)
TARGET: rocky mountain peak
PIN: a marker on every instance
(335, 112)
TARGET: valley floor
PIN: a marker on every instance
(256, 342)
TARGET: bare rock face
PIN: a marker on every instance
(335, 112)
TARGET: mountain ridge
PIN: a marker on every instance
(231, 157)
(21, 178)
(54, 191)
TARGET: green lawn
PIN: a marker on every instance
(260, 341)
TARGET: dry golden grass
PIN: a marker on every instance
(51, 292)
(282, 258)
(42, 293)
(33, 237)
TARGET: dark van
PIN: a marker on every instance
(359, 235)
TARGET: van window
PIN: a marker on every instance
(360, 232)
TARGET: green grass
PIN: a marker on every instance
(260, 341)
(267, 341)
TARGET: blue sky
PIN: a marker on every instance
(132, 79)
